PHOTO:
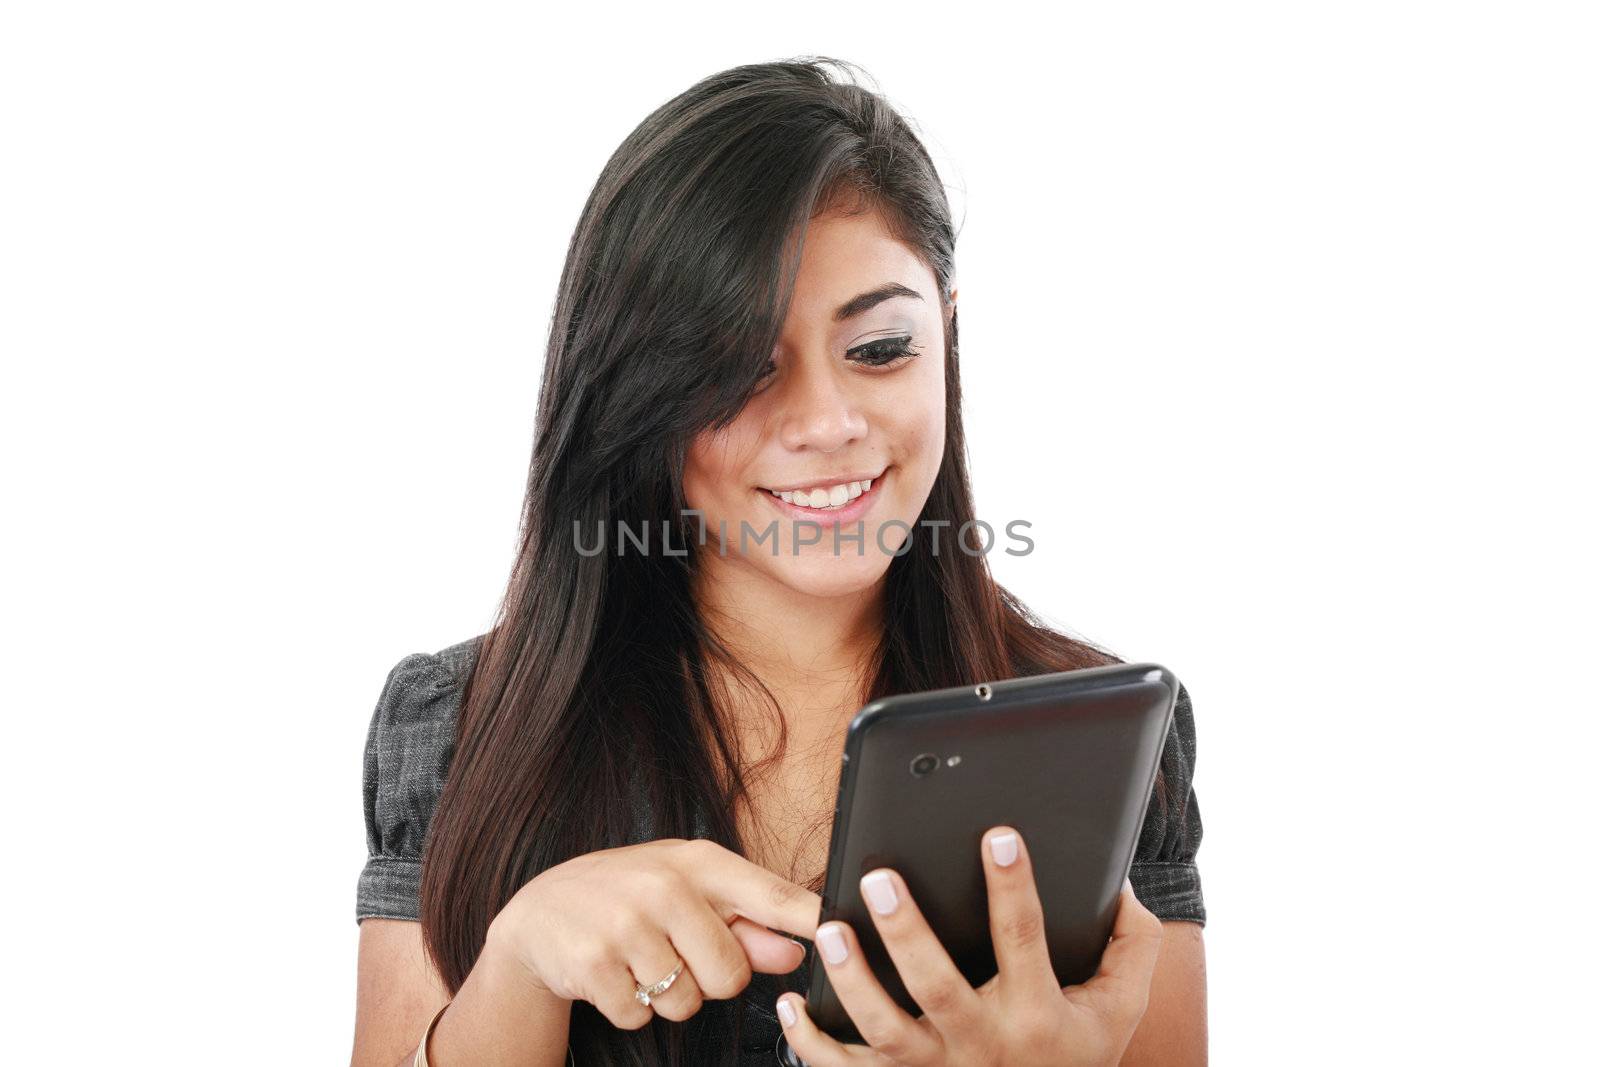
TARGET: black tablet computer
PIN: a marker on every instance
(1069, 759)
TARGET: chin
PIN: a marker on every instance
(826, 575)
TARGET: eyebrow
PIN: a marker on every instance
(871, 299)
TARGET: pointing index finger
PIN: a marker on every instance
(736, 886)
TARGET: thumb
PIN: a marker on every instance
(1122, 985)
(770, 953)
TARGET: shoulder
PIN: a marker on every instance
(1183, 724)
(459, 658)
(425, 687)
(417, 707)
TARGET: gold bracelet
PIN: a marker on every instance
(421, 1059)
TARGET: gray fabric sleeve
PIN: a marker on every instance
(408, 749)
(1165, 877)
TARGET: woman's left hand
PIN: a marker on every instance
(1019, 1018)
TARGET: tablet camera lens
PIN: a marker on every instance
(924, 764)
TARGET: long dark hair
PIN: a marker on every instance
(594, 680)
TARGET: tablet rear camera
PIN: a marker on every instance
(983, 691)
(924, 764)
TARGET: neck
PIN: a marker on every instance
(813, 652)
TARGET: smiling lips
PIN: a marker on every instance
(840, 501)
(823, 496)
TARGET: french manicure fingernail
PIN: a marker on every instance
(879, 890)
(1003, 847)
(830, 942)
(786, 1011)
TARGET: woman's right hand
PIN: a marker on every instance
(588, 928)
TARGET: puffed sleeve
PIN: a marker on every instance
(1164, 875)
(408, 749)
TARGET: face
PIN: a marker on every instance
(846, 432)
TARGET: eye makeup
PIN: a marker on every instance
(877, 354)
(883, 352)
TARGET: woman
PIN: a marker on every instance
(631, 776)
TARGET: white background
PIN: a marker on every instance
(1278, 321)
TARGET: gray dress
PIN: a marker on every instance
(412, 735)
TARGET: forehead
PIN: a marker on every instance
(847, 254)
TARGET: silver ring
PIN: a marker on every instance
(643, 993)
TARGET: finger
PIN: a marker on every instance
(649, 961)
(1122, 984)
(943, 993)
(713, 953)
(767, 951)
(882, 1023)
(735, 886)
(1016, 918)
(816, 1047)
(609, 986)
(1135, 942)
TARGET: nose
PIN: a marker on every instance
(819, 414)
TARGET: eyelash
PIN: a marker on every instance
(884, 352)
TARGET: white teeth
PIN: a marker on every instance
(831, 496)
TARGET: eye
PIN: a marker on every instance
(766, 375)
(883, 352)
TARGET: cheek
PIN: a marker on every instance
(700, 472)
(713, 475)
(916, 420)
